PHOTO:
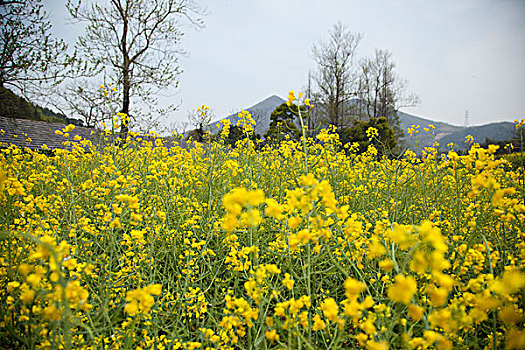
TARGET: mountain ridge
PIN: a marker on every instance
(444, 132)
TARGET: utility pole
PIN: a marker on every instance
(466, 119)
(309, 91)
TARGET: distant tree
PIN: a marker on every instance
(505, 146)
(14, 106)
(284, 122)
(357, 133)
(200, 119)
(178, 126)
(134, 43)
(236, 133)
(335, 76)
(381, 92)
(29, 56)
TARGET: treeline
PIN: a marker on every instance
(14, 106)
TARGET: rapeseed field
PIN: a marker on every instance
(300, 245)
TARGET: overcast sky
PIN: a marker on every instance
(457, 55)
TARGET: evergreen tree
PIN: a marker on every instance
(385, 142)
(284, 121)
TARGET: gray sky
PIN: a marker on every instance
(457, 55)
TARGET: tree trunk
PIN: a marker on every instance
(126, 88)
(126, 79)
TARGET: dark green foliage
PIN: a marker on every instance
(505, 146)
(235, 135)
(196, 135)
(384, 142)
(284, 121)
(14, 106)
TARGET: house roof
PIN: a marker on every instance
(33, 134)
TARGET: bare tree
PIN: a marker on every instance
(29, 56)
(134, 42)
(335, 76)
(381, 91)
(81, 98)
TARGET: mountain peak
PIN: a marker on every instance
(269, 102)
(260, 112)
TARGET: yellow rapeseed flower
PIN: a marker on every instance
(287, 281)
(403, 289)
(330, 309)
(272, 335)
(318, 323)
(141, 300)
(291, 97)
(353, 287)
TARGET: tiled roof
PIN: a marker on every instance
(33, 134)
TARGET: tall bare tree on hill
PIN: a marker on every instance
(381, 92)
(335, 77)
(134, 43)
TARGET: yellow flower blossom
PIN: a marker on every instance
(287, 281)
(272, 335)
(403, 289)
(330, 309)
(319, 324)
(415, 312)
(353, 287)
(141, 300)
